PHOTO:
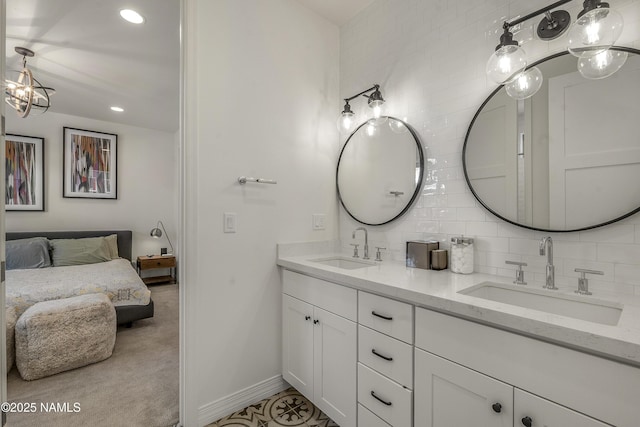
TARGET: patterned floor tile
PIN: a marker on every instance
(288, 408)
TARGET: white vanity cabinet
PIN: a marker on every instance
(448, 394)
(320, 344)
(463, 369)
(385, 361)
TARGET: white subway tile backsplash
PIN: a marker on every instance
(453, 227)
(412, 48)
(509, 230)
(471, 214)
(462, 200)
(535, 263)
(626, 254)
(585, 251)
(444, 213)
(624, 233)
(627, 273)
(524, 246)
(484, 229)
(495, 259)
(491, 244)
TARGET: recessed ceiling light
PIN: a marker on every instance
(117, 109)
(131, 16)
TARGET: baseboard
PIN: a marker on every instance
(241, 399)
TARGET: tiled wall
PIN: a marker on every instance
(429, 57)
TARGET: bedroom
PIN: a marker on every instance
(108, 62)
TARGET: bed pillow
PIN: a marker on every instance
(112, 245)
(27, 253)
(90, 250)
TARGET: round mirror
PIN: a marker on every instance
(566, 159)
(380, 170)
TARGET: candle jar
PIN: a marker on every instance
(461, 255)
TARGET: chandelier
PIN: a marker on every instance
(25, 93)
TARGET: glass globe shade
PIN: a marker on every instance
(505, 62)
(595, 32)
(525, 84)
(371, 128)
(376, 108)
(602, 65)
(346, 122)
(397, 126)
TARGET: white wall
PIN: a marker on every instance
(429, 56)
(261, 98)
(147, 190)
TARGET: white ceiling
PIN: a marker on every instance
(94, 59)
(337, 11)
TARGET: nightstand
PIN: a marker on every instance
(157, 261)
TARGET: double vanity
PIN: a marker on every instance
(377, 344)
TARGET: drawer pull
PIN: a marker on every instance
(527, 422)
(381, 316)
(373, 393)
(389, 359)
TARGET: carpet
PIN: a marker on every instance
(136, 386)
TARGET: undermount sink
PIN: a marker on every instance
(578, 307)
(343, 262)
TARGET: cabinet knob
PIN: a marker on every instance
(527, 422)
(497, 408)
(307, 317)
(316, 321)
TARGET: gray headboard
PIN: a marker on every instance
(124, 237)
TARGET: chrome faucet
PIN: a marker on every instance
(546, 246)
(366, 241)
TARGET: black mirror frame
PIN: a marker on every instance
(418, 189)
(466, 140)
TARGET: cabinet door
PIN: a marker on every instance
(335, 351)
(297, 344)
(448, 394)
(544, 413)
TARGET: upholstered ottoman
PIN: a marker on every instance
(59, 335)
(11, 325)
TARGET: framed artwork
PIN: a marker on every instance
(24, 173)
(90, 164)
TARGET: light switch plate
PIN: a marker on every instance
(319, 221)
(230, 221)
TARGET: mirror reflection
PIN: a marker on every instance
(380, 170)
(567, 158)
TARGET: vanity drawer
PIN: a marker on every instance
(400, 368)
(384, 397)
(385, 315)
(366, 418)
(334, 298)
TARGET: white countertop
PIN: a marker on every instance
(438, 290)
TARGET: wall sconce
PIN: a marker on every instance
(596, 30)
(375, 101)
(156, 233)
(26, 93)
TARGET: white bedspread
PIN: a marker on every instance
(117, 279)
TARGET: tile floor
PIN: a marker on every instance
(287, 408)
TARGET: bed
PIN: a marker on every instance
(116, 278)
